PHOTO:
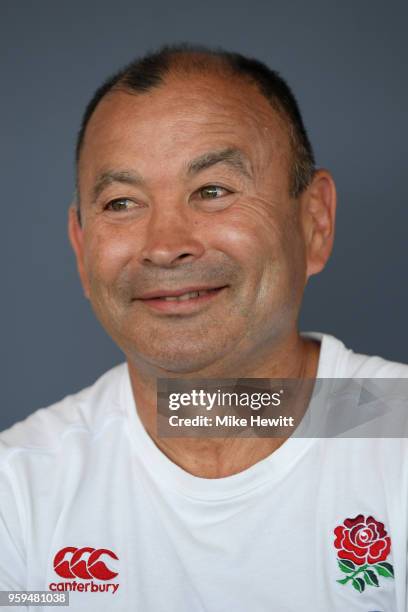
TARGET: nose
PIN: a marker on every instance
(170, 239)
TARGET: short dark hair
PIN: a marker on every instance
(145, 73)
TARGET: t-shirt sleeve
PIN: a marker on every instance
(12, 556)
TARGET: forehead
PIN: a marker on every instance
(180, 119)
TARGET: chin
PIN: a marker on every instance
(176, 358)
(184, 362)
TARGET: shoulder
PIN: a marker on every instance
(87, 411)
(339, 361)
(373, 366)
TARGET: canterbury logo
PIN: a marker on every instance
(86, 563)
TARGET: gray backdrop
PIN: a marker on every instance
(347, 63)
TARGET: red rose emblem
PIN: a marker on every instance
(362, 540)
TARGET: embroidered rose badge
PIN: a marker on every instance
(363, 546)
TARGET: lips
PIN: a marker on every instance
(180, 301)
(179, 295)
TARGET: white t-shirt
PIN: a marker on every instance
(89, 505)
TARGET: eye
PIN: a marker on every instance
(119, 204)
(211, 192)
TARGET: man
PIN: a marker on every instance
(200, 217)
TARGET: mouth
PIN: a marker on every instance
(181, 301)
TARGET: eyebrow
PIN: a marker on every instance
(231, 156)
(128, 177)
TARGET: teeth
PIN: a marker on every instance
(185, 296)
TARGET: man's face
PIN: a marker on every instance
(186, 189)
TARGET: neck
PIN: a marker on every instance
(220, 457)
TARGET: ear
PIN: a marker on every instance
(318, 210)
(75, 234)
